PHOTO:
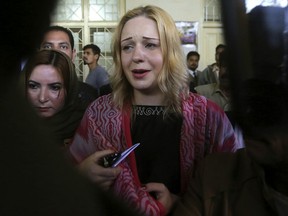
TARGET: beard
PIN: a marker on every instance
(193, 67)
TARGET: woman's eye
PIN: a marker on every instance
(32, 85)
(127, 47)
(56, 87)
(151, 45)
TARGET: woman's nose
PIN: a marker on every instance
(43, 96)
(138, 54)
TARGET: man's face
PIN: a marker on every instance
(218, 51)
(58, 40)
(192, 62)
(89, 57)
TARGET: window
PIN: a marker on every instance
(91, 21)
(212, 11)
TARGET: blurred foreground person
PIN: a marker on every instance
(254, 180)
(35, 178)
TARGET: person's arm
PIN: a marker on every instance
(102, 77)
(90, 143)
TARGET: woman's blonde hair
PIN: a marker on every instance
(172, 79)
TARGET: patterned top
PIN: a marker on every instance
(205, 129)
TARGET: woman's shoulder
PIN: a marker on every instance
(105, 99)
(194, 99)
(194, 105)
(199, 103)
(103, 103)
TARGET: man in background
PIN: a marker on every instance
(219, 92)
(192, 61)
(97, 76)
(211, 73)
(61, 38)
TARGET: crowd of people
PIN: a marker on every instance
(190, 160)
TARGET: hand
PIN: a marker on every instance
(104, 177)
(162, 194)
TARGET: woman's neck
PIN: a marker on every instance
(148, 98)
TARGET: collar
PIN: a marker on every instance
(192, 73)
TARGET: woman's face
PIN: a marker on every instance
(46, 91)
(141, 54)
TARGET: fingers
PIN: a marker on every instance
(104, 177)
(109, 173)
(99, 154)
(161, 193)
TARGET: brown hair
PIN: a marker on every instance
(63, 65)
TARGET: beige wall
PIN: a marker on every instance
(180, 10)
(209, 34)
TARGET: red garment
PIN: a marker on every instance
(205, 129)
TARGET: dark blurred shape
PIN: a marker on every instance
(266, 28)
(21, 27)
(35, 177)
(256, 45)
(266, 103)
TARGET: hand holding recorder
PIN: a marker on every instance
(101, 167)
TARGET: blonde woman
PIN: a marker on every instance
(151, 105)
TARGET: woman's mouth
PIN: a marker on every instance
(43, 109)
(139, 73)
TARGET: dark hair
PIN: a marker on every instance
(193, 53)
(63, 29)
(223, 61)
(61, 62)
(220, 46)
(95, 48)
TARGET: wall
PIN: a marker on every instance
(180, 10)
(209, 34)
